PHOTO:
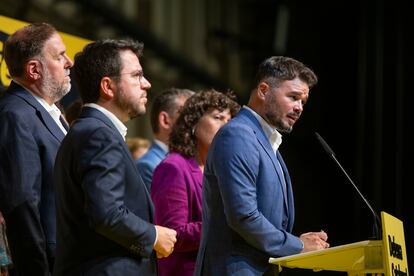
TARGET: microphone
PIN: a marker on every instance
(329, 151)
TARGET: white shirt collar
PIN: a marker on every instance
(117, 123)
(53, 110)
(275, 138)
(163, 145)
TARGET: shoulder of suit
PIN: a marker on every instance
(148, 158)
(175, 158)
(237, 126)
(90, 126)
(12, 103)
(18, 110)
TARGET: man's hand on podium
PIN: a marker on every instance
(314, 241)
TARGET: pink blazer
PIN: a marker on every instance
(176, 192)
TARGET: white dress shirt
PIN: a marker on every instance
(117, 123)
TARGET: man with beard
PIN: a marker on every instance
(165, 110)
(31, 132)
(248, 208)
(104, 210)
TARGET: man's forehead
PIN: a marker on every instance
(54, 44)
(130, 61)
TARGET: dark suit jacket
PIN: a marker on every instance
(29, 140)
(246, 217)
(149, 161)
(104, 211)
(176, 192)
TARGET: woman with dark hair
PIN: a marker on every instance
(177, 180)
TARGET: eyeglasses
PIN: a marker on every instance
(136, 75)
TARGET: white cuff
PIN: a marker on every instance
(156, 235)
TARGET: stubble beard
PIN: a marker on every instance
(134, 109)
(277, 122)
(273, 118)
(53, 89)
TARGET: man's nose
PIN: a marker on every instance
(69, 62)
(145, 84)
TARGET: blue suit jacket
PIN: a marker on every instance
(246, 217)
(29, 140)
(104, 210)
(149, 161)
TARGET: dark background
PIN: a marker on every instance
(362, 53)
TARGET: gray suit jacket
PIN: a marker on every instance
(104, 210)
(246, 216)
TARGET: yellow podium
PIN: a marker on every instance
(382, 257)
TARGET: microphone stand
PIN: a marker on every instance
(376, 230)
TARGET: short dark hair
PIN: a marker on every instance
(182, 138)
(277, 69)
(24, 44)
(166, 101)
(101, 59)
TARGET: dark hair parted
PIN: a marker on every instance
(25, 44)
(277, 69)
(182, 138)
(166, 101)
(101, 59)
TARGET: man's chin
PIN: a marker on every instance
(285, 129)
(68, 87)
(58, 95)
(136, 113)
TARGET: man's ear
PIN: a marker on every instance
(107, 88)
(262, 90)
(164, 120)
(34, 69)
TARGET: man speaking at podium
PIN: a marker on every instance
(248, 208)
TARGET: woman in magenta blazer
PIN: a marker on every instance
(177, 181)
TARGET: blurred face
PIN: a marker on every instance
(139, 152)
(132, 87)
(180, 101)
(284, 104)
(209, 124)
(55, 65)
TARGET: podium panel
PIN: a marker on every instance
(354, 258)
(385, 257)
(394, 245)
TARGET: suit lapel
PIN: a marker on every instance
(195, 170)
(289, 189)
(64, 123)
(264, 142)
(132, 163)
(41, 112)
(51, 124)
(95, 113)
